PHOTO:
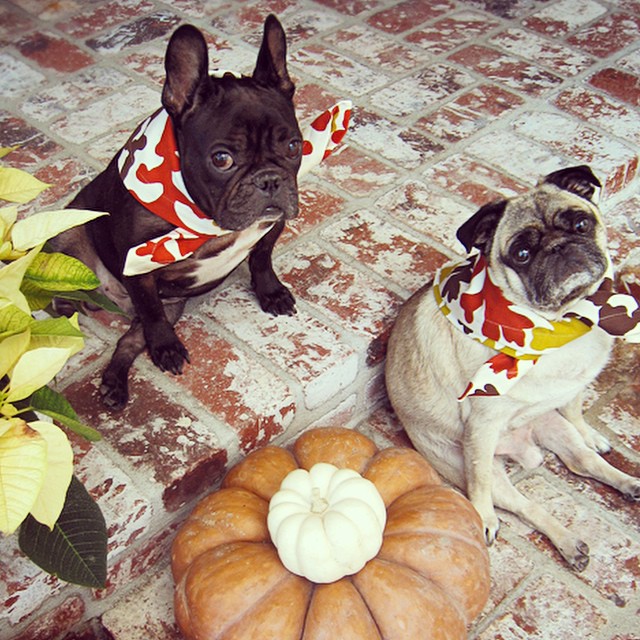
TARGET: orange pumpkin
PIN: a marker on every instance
(430, 578)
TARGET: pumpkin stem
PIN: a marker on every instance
(318, 503)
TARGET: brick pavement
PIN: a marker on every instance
(455, 103)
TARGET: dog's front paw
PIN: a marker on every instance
(114, 391)
(166, 350)
(277, 302)
(490, 523)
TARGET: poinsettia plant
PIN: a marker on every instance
(61, 527)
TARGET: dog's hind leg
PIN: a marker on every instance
(565, 440)
(114, 387)
(507, 497)
(573, 413)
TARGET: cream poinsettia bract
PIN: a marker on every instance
(36, 459)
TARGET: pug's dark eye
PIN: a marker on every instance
(521, 255)
(582, 225)
(222, 160)
(293, 148)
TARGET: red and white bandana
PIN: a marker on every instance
(149, 165)
(471, 301)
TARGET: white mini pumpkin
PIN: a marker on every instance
(326, 523)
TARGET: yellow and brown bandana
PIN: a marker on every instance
(473, 303)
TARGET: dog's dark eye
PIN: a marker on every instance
(222, 160)
(582, 224)
(521, 254)
(293, 149)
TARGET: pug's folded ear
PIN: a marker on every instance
(479, 229)
(579, 180)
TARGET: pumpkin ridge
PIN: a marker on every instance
(431, 531)
(366, 604)
(462, 614)
(469, 611)
(287, 576)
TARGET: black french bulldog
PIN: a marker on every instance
(239, 148)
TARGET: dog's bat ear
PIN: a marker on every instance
(479, 229)
(186, 63)
(271, 66)
(579, 180)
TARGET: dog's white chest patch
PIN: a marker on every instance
(220, 265)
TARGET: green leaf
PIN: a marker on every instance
(19, 186)
(13, 320)
(36, 297)
(56, 406)
(93, 299)
(40, 227)
(76, 550)
(59, 272)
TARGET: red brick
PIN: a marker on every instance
(316, 206)
(378, 49)
(557, 19)
(427, 210)
(598, 109)
(55, 622)
(561, 59)
(401, 145)
(389, 251)
(12, 24)
(355, 172)
(469, 113)
(130, 562)
(475, 181)
(82, 25)
(66, 176)
(548, 608)
(310, 351)
(407, 14)
(311, 99)
(353, 300)
(615, 163)
(608, 35)
(144, 29)
(513, 72)
(452, 31)
(250, 399)
(412, 94)
(620, 84)
(33, 145)
(52, 52)
(350, 7)
(177, 453)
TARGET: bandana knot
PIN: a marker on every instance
(474, 304)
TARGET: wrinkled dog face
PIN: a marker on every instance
(546, 248)
(239, 141)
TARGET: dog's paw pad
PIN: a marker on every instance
(278, 303)
(579, 560)
(632, 492)
(171, 359)
(115, 395)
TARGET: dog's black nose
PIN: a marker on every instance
(268, 181)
